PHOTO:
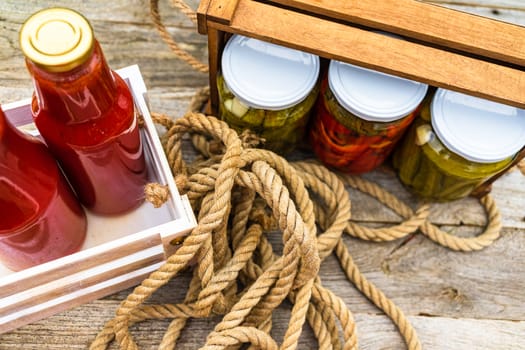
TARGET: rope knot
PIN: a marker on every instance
(156, 194)
(251, 140)
(521, 166)
(260, 216)
(181, 180)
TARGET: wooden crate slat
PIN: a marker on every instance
(427, 22)
(223, 10)
(68, 265)
(75, 298)
(83, 279)
(372, 50)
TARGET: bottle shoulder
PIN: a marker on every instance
(116, 119)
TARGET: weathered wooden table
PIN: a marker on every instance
(454, 300)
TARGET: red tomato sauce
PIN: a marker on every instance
(40, 218)
(86, 117)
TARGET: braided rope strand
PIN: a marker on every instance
(240, 194)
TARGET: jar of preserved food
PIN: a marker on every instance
(268, 89)
(457, 143)
(361, 115)
(40, 219)
(84, 111)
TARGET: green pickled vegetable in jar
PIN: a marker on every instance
(268, 89)
(457, 143)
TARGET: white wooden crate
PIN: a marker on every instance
(118, 252)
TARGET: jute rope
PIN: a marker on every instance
(164, 34)
(521, 167)
(241, 194)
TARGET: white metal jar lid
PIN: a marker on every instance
(268, 76)
(479, 130)
(372, 95)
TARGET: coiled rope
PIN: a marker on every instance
(240, 194)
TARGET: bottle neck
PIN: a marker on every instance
(16, 145)
(82, 94)
(28, 178)
(3, 126)
(9, 138)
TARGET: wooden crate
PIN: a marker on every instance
(119, 251)
(444, 48)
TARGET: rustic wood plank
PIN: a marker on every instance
(425, 279)
(202, 11)
(510, 15)
(131, 12)
(223, 11)
(215, 38)
(498, 4)
(374, 332)
(424, 22)
(123, 43)
(365, 48)
(508, 192)
(455, 300)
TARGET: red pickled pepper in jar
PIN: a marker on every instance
(84, 111)
(41, 219)
(361, 115)
(346, 149)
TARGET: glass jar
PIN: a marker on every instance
(268, 89)
(41, 219)
(361, 115)
(457, 143)
(84, 111)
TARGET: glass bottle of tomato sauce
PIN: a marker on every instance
(40, 218)
(84, 111)
(361, 115)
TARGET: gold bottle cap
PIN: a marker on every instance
(57, 39)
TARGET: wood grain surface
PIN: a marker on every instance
(405, 58)
(454, 300)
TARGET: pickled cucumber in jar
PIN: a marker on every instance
(268, 89)
(456, 144)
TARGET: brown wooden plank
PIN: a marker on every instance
(486, 187)
(124, 44)
(202, 10)
(423, 278)
(222, 11)
(427, 22)
(375, 51)
(78, 329)
(215, 41)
